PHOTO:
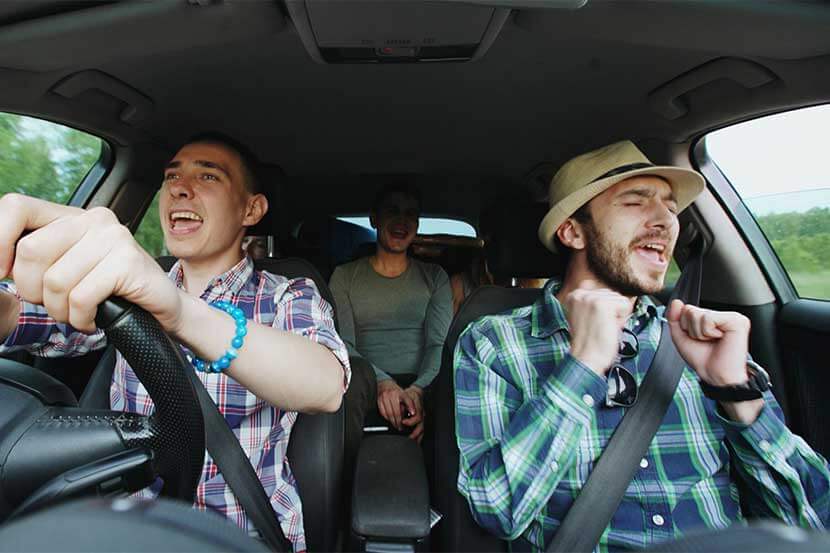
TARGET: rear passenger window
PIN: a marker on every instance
(426, 225)
(44, 159)
(779, 166)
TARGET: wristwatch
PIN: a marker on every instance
(757, 383)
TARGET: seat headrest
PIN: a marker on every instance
(511, 243)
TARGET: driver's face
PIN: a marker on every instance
(203, 202)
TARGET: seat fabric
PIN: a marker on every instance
(458, 531)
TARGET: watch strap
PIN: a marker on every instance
(757, 383)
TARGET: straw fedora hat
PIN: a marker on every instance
(588, 175)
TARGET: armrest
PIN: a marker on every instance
(391, 493)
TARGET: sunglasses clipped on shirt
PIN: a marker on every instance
(622, 386)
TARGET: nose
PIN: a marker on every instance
(181, 188)
(661, 216)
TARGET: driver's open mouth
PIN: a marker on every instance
(654, 252)
(184, 222)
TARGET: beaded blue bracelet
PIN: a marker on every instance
(232, 352)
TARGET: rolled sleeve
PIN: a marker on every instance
(305, 312)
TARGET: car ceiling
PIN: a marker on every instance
(554, 83)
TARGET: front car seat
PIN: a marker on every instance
(513, 250)
(458, 531)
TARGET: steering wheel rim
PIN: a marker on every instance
(50, 448)
(177, 435)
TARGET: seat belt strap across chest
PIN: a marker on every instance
(237, 471)
(602, 493)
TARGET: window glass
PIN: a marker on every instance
(426, 225)
(672, 274)
(778, 165)
(44, 159)
(149, 233)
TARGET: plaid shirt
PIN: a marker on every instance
(263, 430)
(532, 421)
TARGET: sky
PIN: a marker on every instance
(778, 163)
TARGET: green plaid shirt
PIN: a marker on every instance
(531, 421)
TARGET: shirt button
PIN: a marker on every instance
(554, 466)
(643, 463)
(764, 445)
(658, 520)
(588, 400)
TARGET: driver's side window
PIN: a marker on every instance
(43, 159)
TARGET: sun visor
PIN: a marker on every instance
(337, 31)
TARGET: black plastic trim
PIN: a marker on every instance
(125, 471)
(808, 314)
(95, 176)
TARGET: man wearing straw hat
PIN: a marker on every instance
(541, 389)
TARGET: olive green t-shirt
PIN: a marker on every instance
(398, 324)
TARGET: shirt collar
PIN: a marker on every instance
(548, 316)
(231, 280)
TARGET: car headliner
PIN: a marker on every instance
(554, 83)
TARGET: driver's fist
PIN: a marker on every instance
(74, 259)
(596, 317)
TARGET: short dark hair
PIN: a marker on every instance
(404, 188)
(250, 164)
(582, 216)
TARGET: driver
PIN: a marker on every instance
(73, 259)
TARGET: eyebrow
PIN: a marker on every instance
(646, 193)
(175, 164)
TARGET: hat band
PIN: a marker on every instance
(623, 169)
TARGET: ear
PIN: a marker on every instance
(373, 219)
(571, 234)
(255, 210)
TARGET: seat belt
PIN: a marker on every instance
(602, 493)
(222, 445)
(238, 472)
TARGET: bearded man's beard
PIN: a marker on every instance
(610, 263)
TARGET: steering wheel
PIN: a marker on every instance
(51, 449)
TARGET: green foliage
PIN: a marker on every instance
(49, 161)
(43, 159)
(802, 242)
(149, 233)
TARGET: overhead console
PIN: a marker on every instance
(384, 31)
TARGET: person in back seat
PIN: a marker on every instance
(394, 313)
(473, 275)
(541, 389)
(256, 349)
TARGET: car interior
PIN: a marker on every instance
(476, 103)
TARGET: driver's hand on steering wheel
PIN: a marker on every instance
(69, 260)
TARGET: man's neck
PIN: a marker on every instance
(197, 274)
(580, 276)
(389, 264)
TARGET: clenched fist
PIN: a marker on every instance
(72, 259)
(713, 343)
(596, 317)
